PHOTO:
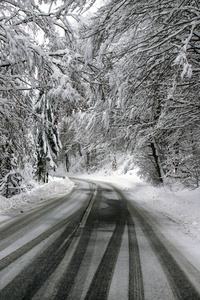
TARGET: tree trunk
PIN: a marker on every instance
(67, 162)
(79, 149)
(88, 161)
(157, 162)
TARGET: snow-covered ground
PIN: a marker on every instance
(176, 211)
(179, 205)
(56, 186)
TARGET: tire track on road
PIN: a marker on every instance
(136, 289)
(29, 281)
(31, 217)
(85, 232)
(181, 286)
(99, 287)
(7, 260)
(33, 277)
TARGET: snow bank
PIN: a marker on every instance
(174, 210)
(55, 187)
(180, 207)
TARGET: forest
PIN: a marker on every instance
(86, 78)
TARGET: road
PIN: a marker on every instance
(92, 244)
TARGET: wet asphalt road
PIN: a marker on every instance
(92, 244)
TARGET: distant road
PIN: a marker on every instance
(92, 244)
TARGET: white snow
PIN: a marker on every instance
(174, 210)
(56, 186)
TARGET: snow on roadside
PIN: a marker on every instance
(176, 212)
(55, 187)
(182, 207)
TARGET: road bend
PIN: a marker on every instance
(91, 244)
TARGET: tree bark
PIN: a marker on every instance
(157, 162)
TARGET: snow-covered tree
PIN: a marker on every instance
(129, 81)
(150, 50)
(37, 43)
(48, 142)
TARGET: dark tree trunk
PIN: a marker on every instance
(67, 162)
(156, 160)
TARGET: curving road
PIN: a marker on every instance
(92, 244)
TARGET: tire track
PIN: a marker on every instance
(31, 217)
(85, 232)
(27, 247)
(99, 287)
(33, 277)
(29, 281)
(136, 289)
(181, 286)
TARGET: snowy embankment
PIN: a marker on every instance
(182, 207)
(55, 187)
(176, 212)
